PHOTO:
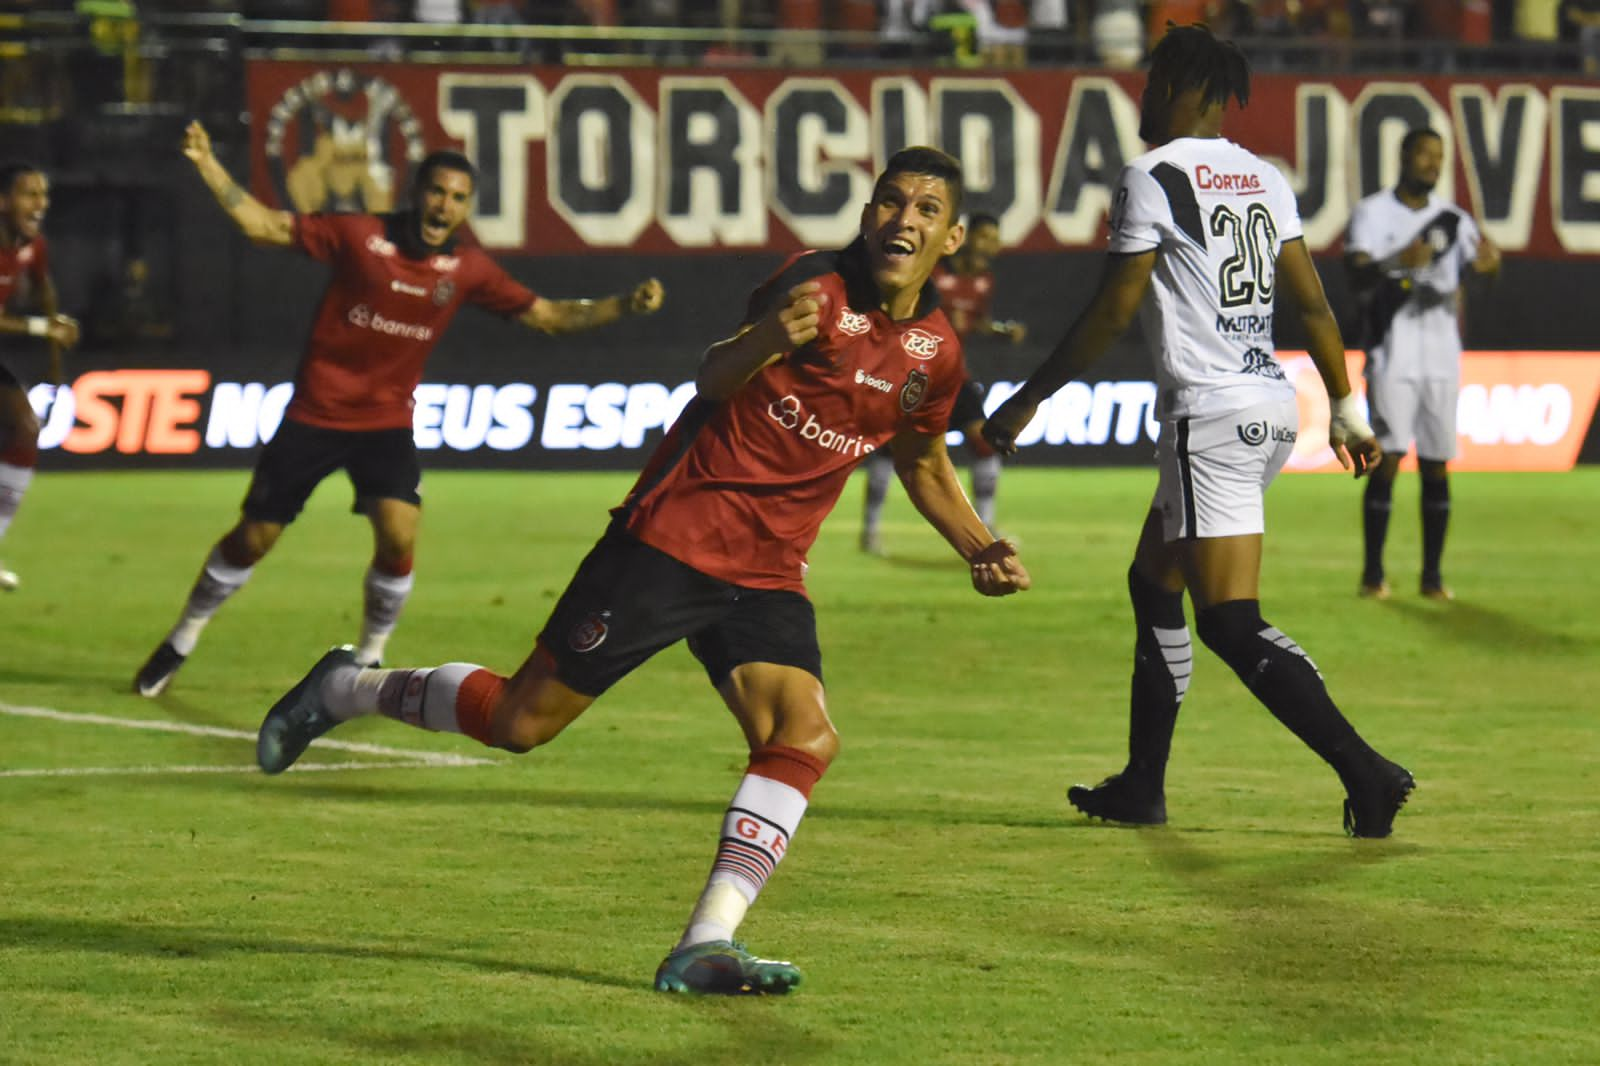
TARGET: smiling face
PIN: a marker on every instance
(444, 200)
(908, 226)
(23, 206)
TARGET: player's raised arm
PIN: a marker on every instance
(255, 220)
(931, 484)
(730, 363)
(576, 316)
(1106, 318)
(1349, 435)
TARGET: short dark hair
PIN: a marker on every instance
(1415, 134)
(1192, 57)
(10, 172)
(920, 159)
(981, 218)
(443, 159)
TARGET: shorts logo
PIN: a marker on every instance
(920, 344)
(1259, 361)
(853, 322)
(589, 634)
(443, 292)
(1257, 433)
(911, 395)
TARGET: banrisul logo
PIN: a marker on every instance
(341, 141)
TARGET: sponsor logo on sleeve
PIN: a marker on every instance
(920, 344)
(915, 387)
(853, 322)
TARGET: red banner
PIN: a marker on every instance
(650, 161)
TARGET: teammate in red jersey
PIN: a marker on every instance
(397, 282)
(24, 283)
(840, 353)
(965, 282)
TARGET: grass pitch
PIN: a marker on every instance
(160, 902)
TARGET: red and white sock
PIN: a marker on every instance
(765, 812)
(384, 593)
(16, 474)
(218, 580)
(453, 698)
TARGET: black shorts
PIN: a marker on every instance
(969, 406)
(628, 601)
(382, 464)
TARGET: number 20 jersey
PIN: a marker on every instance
(1217, 216)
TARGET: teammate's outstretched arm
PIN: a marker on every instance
(1349, 435)
(728, 364)
(1108, 315)
(255, 219)
(931, 483)
(575, 316)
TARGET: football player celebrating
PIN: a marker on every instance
(840, 353)
(397, 282)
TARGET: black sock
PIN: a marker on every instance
(1435, 519)
(1283, 678)
(1163, 659)
(1376, 503)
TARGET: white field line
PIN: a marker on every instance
(407, 757)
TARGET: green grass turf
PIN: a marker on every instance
(945, 904)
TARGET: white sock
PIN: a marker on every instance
(985, 483)
(352, 691)
(383, 597)
(14, 481)
(218, 580)
(756, 830)
(423, 698)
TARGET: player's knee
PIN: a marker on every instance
(1232, 631)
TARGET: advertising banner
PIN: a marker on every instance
(578, 161)
(1517, 411)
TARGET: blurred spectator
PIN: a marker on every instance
(1179, 13)
(1387, 18)
(1536, 20)
(438, 12)
(1116, 33)
(1584, 16)
(126, 310)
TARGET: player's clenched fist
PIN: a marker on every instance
(797, 321)
(996, 571)
(646, 299)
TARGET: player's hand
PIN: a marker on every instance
(1352, 440)
(1487, 261)
(63, 330)
(996, 570)
(1007, 423)
(1416, 254)
(796, 323)
(1016, 332)
(196, 143)
(646, 299)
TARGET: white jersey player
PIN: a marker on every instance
(1407, 252)
(1203, 235)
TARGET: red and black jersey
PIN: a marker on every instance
(385, 307)
(24, 270)
(739, 489)
(966, 297)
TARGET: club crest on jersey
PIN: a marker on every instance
(1259, 361)
(911, 395)
(443, 292)
(590, 633)
(853, 322)
(920, 344)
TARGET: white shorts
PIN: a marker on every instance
(1214, 471)
(1423, 411)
